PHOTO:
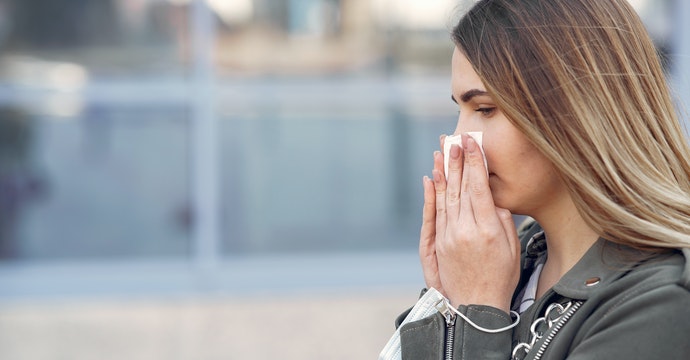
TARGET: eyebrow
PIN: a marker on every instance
(468, 95)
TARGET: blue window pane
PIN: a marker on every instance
(326, 164)
(110, 181)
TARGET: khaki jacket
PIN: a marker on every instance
(627, 305)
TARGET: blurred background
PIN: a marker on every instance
(224, 179)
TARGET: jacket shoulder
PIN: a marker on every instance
(643, 315)
(670, 270)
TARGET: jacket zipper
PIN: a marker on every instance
(450, 317)
(557, 327)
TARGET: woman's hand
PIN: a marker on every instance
(468, 247)
(427, 240)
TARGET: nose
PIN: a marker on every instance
(465, 124)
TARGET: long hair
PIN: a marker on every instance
(584, 82)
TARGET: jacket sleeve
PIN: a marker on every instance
(429, 339)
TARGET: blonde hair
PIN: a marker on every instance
(583, 81)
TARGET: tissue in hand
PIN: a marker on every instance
(457, 139)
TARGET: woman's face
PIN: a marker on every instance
(522, 180)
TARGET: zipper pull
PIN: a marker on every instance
(444, 307)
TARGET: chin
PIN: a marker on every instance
(501, 198)
(504, 203)
(501, 204)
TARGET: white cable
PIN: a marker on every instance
(483, 329)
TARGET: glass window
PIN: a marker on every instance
(95, 119)
(110, 181)
(330, 111)
(309, 123)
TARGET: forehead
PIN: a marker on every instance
(464, 77)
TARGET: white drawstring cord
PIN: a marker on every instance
(483, 329)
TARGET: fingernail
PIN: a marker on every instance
(470, 144)
(454, 152)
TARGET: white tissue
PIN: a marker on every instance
(457, 139)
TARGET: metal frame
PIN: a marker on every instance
(205, 138)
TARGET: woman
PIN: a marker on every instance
(580, 134)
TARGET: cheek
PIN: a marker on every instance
(505, 160)
(518, 176)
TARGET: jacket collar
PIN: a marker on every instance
(596, 269)
(685, 277)
(604, 263)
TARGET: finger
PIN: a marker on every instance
(427, 241)
(509, 228)
(455, 172)
(438, 162)
(440, 201)
(466, 212)
(428, 232)
(441, 165)
(476, 184)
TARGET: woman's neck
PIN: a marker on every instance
(568, 237)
